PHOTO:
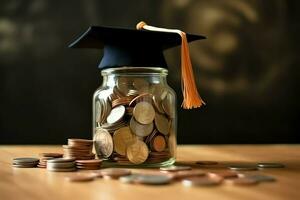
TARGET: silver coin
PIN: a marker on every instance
(259, 177)
(103, 142)
(162, 124)
(243, 167)
(175, 168)
(116, 114)
(25, 160)
(62, 169)
(24, 166)
(98, 109)
(128, 179)
(270, 165)
(141, 130)
(61, 165)
(144, 113)
(201, 181)
(153, 179)
(61, 160)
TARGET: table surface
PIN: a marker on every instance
(35, 183)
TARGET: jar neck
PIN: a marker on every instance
(150, 74)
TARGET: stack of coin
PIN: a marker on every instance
(80, 149)
(47, 156)
(61, 165)
(139, 127)
(25, 162)
(88, 164)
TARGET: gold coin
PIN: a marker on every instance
(141, 130)
(162, 124)
(144, 113)
(137, 152)
(122, 138)
(103, 142)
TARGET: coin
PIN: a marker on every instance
(162, 124)
(152, 179)
(103, 142)
(96, 161)
(122, 138)
(147, 97)
(185, 174)
(62, 169)
(24, 165)
(243, 167)
(60, 165)
(61, 160)
(141, 130)
(144, 113)
(258, 177)
(80, 178)
(115, 173)
(223, 174)
(175, 168)
(116, 114)
(25, 160)
(98, 109)
(241, 181)
(128, 179)
(53, 155)
(137, 152)
(201, 181)
(206, 162)
(270, 165)
(158, 143)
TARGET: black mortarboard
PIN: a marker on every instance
(130, 47)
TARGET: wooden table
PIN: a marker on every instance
(35, 183)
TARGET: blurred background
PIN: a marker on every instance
(246, 70)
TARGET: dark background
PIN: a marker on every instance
(246, 70)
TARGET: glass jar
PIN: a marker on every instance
(135, 118)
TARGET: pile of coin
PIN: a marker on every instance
(88, 164)
(79, 149)
(136, 123)
(25, 162)
(47, 156)
(61, 165)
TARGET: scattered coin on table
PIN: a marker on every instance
(175, 168)
(270, 165)
(243, 167)
(201, 181)
(25, 162)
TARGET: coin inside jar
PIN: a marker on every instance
(158, 143)
(137, 152)
(141, 130)
(116, 114)
(144, 113)
(103, 142)
(122, 138)
(162, 124)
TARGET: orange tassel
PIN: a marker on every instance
(191, 97)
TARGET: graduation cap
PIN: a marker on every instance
(142, 47)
